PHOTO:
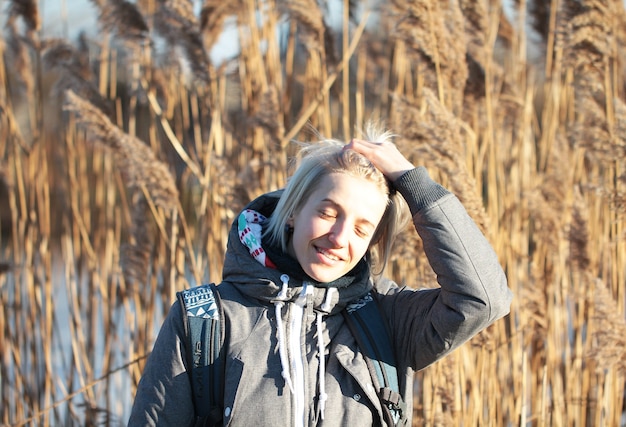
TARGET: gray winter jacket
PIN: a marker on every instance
(425, 325)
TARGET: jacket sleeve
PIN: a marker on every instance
(163, 395)
(472, 292)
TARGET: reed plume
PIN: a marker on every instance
(539, 14)
(124, 19)
(212, 16)
(476, 21)
(476, 14)
(608, 347)
(310, 20)
(268, 115)
(602, 139)
(74, 73)
(176, 22)
(143, 173)
(588, 40)
(19, 55)
(135, 159)
(27, 10)
(599, 123)
(578, 234)
(433, 33)
(433, 134)
(589, 34)
(413, 26)
(232, 189)
(136, 254)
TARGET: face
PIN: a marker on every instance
(334, 228)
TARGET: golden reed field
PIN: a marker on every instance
(126, 152)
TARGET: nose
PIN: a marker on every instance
(339, 234)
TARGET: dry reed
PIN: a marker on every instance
(433, 35)
(27, 10)
(137, 162)
(310, 19)
(143, 172)
(176, 22)
(123, 19)
(212, 17)
(74, 74)
(434, 136)
(102, 235)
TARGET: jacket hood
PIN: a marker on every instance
(263, 283)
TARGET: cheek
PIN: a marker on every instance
(360, 247)
(304, 231)
(311, 227)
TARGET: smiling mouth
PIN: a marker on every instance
(327, 254)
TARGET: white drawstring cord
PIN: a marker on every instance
(328, 299)
(321, 350)
(322, 368)
(279, 302)
(296, 352)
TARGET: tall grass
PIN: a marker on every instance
(125, 154)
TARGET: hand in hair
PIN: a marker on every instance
(384, 155)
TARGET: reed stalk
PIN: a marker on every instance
(523, 120)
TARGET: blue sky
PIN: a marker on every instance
(67, 18)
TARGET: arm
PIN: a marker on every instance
(163, 395)
(473, 290)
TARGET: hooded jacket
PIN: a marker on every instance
(278, 325)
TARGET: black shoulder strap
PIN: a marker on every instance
(204, 327)
(370, 331)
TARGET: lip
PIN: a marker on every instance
(327, 256)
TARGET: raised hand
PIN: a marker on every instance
(384, 155)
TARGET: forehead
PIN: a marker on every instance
(357, 195)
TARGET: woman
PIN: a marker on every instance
(295, 259)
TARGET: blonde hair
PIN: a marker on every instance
(318, 160)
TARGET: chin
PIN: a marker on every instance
(324, 278)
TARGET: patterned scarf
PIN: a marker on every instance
(250, 230)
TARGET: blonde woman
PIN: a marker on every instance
(295, 260)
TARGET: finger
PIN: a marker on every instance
(362, 144)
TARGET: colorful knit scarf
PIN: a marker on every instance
(250, 230)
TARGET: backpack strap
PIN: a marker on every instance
(368, 327)
(204, 329)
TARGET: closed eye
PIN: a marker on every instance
(362, 232)
(327, 214)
